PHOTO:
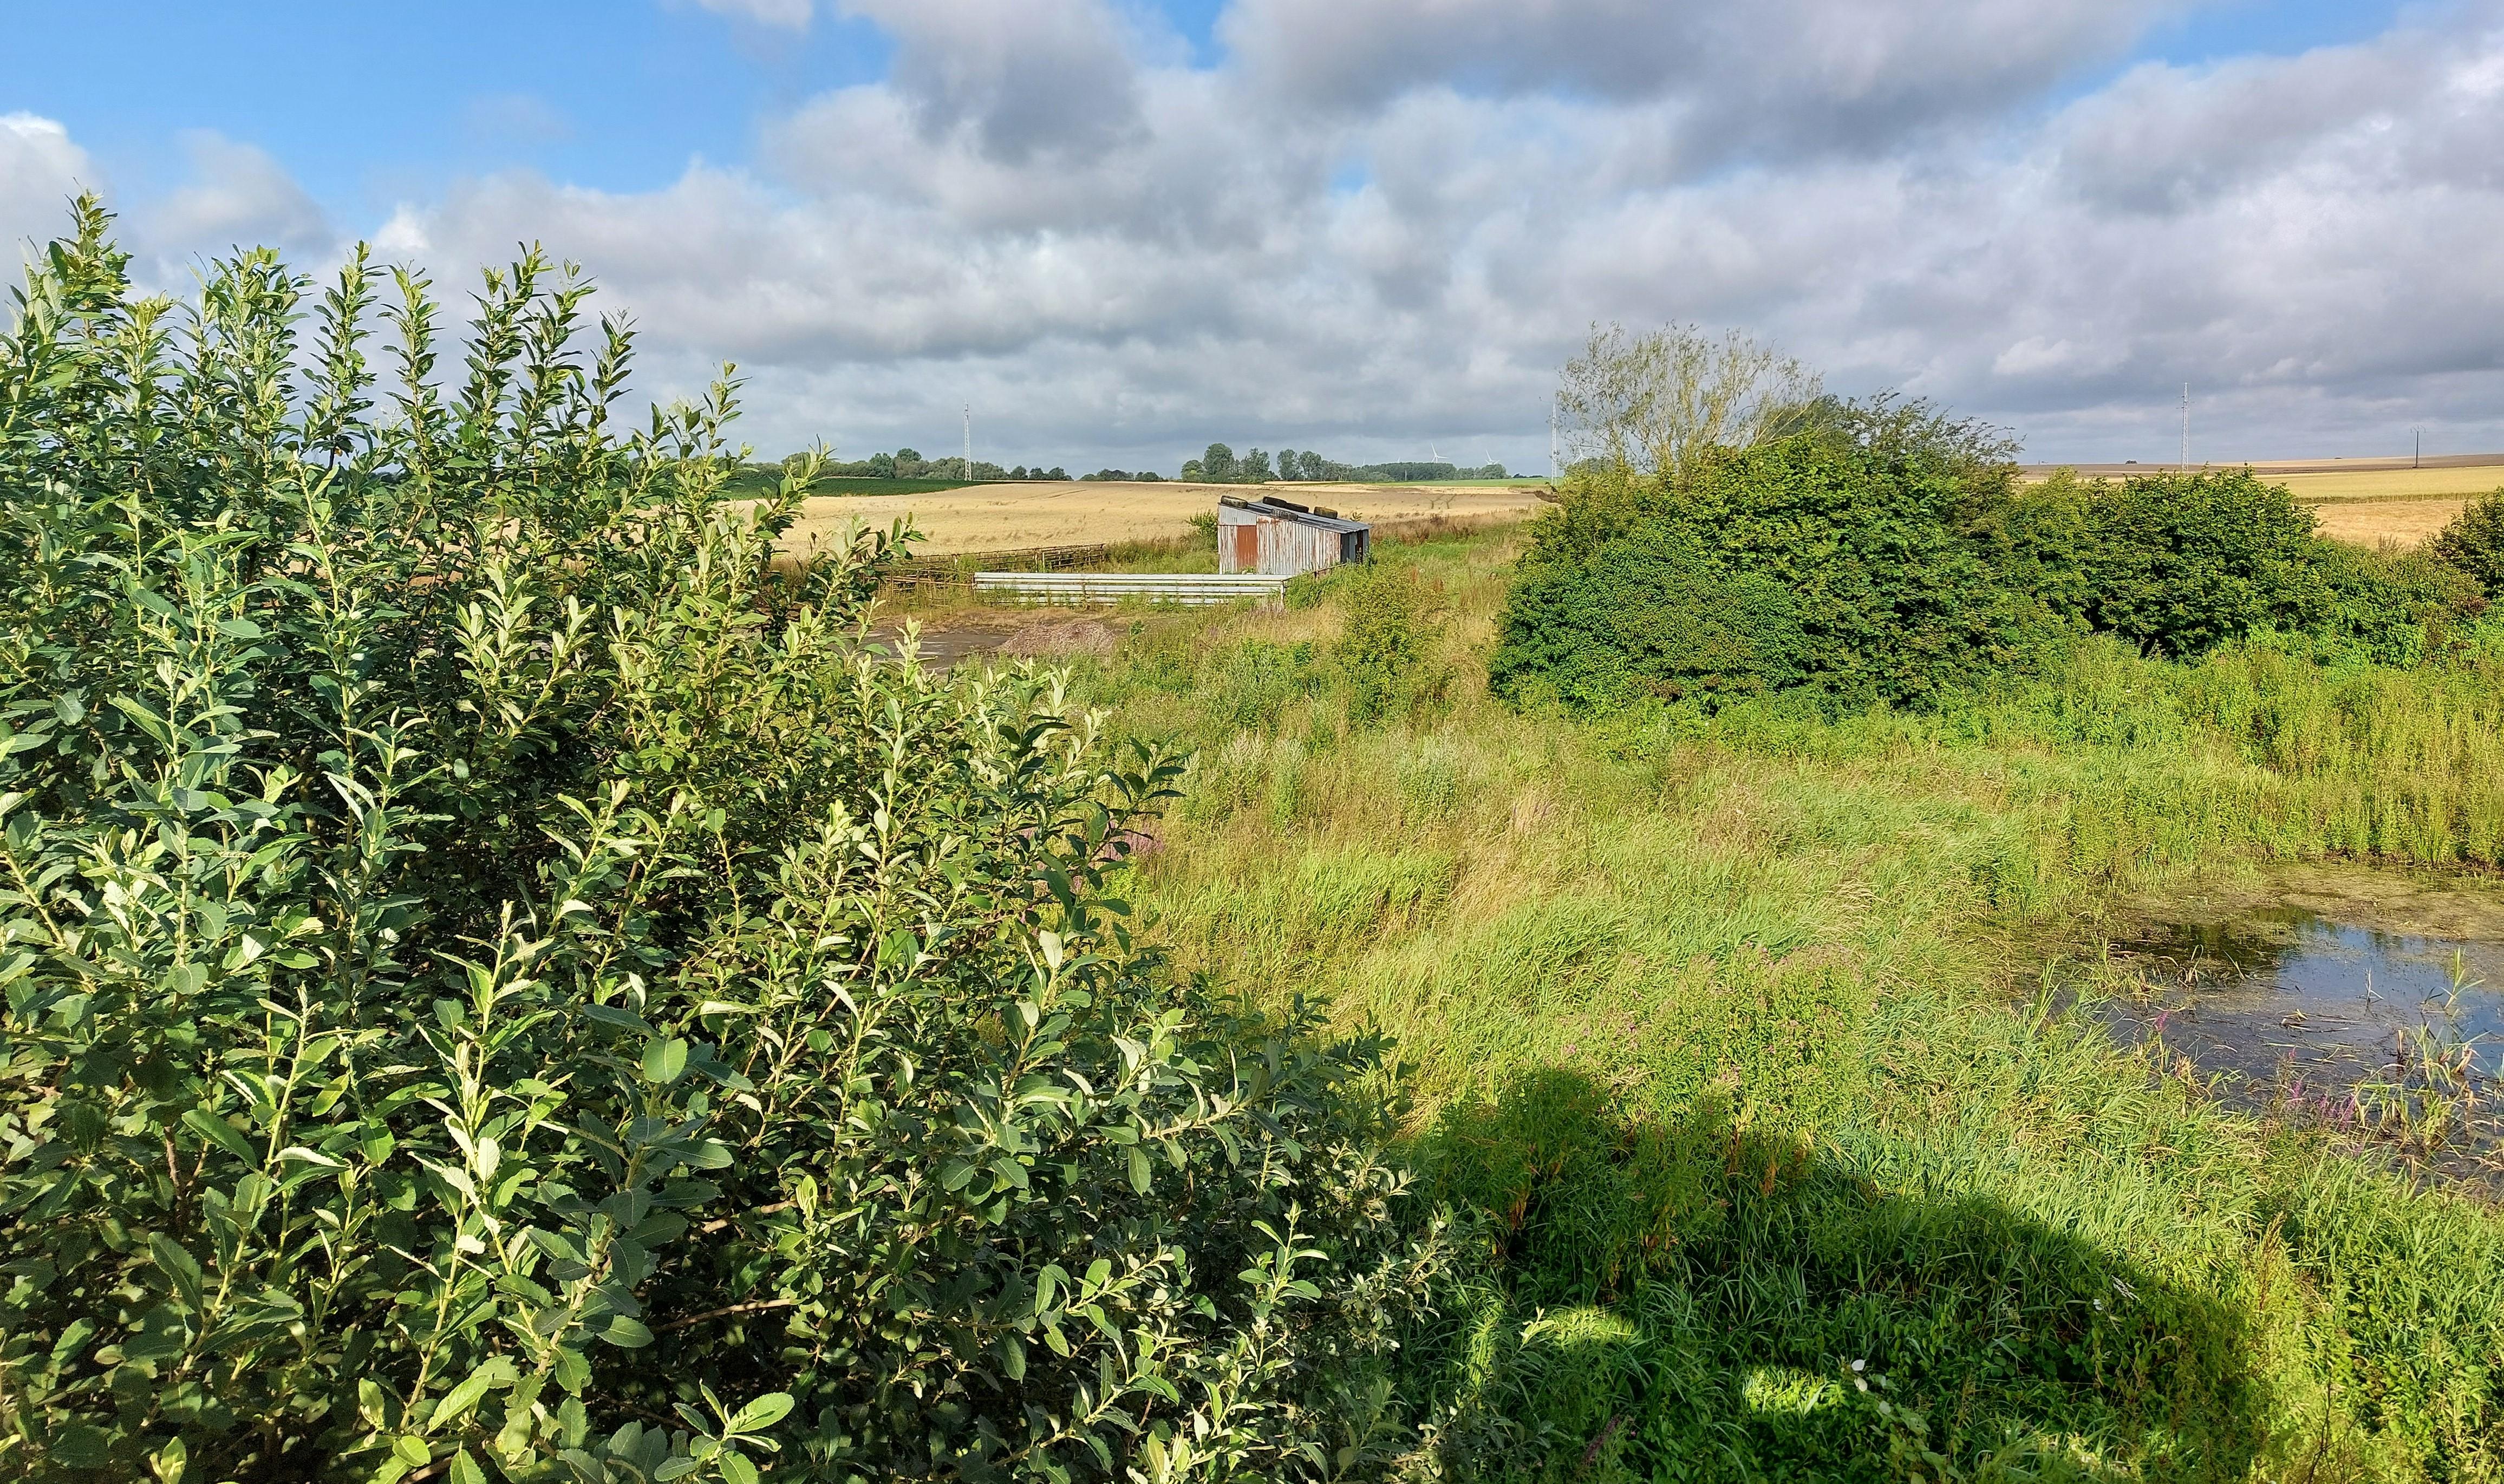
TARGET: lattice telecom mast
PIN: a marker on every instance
(968, 473)
(2187, 427)
(1551, 438)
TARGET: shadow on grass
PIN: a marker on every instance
(1697, 1301)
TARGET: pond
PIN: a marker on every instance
(2367, 1001)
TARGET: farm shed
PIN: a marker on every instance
(1282, 539)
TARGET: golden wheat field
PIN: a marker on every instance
(2370, 507)
(1007, 517)
(2366, 505)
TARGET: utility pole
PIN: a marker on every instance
(966, 473)
(2186, 428)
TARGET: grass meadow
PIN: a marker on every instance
(1736, 1038)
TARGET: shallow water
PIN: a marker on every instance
(2303, 988)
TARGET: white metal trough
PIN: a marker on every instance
(1195, 589)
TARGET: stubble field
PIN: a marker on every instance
(1000, 517)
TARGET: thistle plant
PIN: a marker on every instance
(503, 982)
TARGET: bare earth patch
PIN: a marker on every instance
(1077, 635)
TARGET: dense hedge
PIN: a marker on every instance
(1886, 555)
(2474, 541)
(503, 982)
(1818, 561)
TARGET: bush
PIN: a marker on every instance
(2179, 564)
(501, 982)
(2474, 541)
(2390, 609)
(1382, 650)
(1647, 616)
(1824, 561)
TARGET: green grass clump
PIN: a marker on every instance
(1728, 1032)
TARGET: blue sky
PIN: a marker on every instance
(381, 100)
(1099, 196)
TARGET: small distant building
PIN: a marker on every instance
(1279, 538)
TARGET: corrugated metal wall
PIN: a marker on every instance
(1280, 545)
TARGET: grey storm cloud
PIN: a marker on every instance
(1772, 78)
(1372, 226)
(1036, 78)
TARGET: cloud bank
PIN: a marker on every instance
(1375, 227)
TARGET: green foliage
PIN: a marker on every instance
(1887, 553)
(2474, 541)
(1649, 614)
(2390, 609)
(1827, 560)
(502, 984)
(1221, 465)
(1696, 1298)
(1727, 1018)
(1381, 652)
(2182, 562)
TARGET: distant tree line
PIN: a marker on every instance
(908, 464)
(1221, 464)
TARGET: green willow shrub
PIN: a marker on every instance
(2474, 541)
(1842, 561)
(503, 982)
(1381, 654)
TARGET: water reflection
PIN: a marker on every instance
(2365, 1002)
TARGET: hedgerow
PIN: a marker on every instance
(2473, 541)
(1888, 554)
(503, 982)
(1823, 562)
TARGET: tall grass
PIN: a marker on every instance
(1727, 1026)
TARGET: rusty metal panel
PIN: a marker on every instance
(1276, 542)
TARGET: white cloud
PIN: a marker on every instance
(238, 196)
(1115, 255)
(794, 15)
(40, 170)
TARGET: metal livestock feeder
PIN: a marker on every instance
(1196, 589)
(1282, 539)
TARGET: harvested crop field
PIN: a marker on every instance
(1001, 517)
(2371, 523)
(2366, 504)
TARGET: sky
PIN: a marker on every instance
(1120, 230)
